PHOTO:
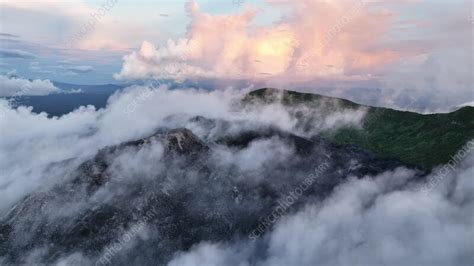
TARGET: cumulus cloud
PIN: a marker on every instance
(239, 51)
(335, 44)
(338, 39)
(15, 86)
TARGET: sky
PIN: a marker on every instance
(41, 49)
(409, 54)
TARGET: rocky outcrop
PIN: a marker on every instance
(178, 142)
(193, 198)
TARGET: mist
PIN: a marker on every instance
(185, 177)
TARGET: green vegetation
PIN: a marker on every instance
(423, 140)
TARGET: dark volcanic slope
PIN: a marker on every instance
(184, 186)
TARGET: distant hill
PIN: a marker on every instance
(90, 89)
(63, 103)
(420, 139)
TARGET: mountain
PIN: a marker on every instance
(198, 179)
(89, 89)
(75, 96)
(194, 198)
(426, 140)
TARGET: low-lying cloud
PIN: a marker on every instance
(366, 220)
(30, 142)
(372, 221)
(13, 86)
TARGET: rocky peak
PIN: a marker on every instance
(181, 141)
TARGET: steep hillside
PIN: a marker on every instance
(193, 197)
(424, 140)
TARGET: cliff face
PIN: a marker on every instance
(179, 190)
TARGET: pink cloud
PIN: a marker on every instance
(318, 39)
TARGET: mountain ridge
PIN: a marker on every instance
(195, 198)
(426, 140)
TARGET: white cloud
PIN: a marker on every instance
(333, 44)
(467, 104)
(14, 86)
(369, 221)
(30, 142)
(240, 52)
(372, 221)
